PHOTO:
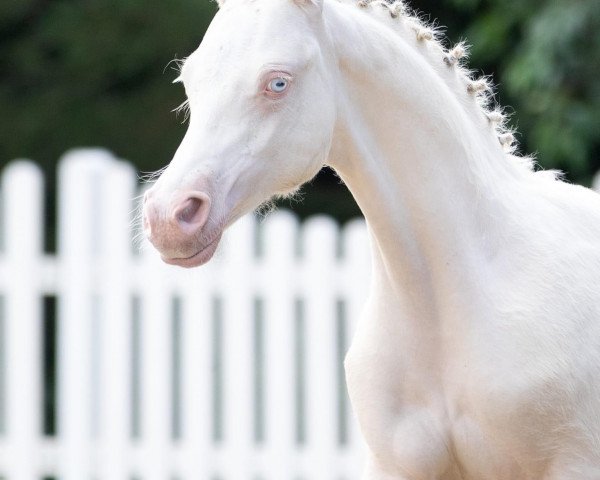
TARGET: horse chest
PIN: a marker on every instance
(422, 413)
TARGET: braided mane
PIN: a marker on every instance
(481, 89)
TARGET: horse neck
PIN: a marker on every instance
(426, 170)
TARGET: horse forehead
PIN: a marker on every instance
(250, 32)
(259, 7)
(279, 18)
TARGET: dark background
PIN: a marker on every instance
(96, 73)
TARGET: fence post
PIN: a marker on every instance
(238, 334)
(80, 218)
(156, 353)
(279, 290)
(196, 380)
(22, 186)
(115, 269)
(320, 236)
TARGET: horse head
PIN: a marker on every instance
(262, 115)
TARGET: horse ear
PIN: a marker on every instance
(220, 3)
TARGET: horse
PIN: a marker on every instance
(478, 352)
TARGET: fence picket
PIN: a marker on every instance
(156, 354)
(115, 335)
(197, 349)
(320, 240)
(238, 330)
(80, 217)
(23, 193)
(280, 293)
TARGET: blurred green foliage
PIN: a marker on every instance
(547, 58)
(96, 72)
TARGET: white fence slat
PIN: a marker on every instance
(197, 349)
(115, 336)
(22, 187)
(320, 235)
(80, 216)
(279, 294)
(238, 334)
(156, 354)
(196, 346)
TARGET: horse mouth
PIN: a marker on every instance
(201, 257)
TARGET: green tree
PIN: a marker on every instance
(94, 73)
(545, 55)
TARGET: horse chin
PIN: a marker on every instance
(202, 256)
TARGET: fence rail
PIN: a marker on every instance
(116, 366)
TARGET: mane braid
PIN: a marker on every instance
(481, 89)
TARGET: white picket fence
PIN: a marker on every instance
(230, 371)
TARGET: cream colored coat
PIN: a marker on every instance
(478, 355)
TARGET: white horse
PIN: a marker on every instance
(478, 356)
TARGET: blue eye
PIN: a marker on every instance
(278, 85)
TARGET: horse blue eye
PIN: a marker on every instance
(278, 85)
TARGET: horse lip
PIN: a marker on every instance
(201, 257)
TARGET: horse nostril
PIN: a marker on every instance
(193, 212)
(190, 208)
